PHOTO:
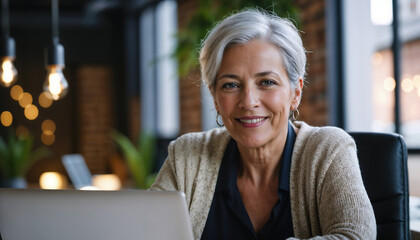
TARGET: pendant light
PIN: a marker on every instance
(55, 83)
(8, 73)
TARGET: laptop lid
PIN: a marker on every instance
(77, 170)
(72, 214)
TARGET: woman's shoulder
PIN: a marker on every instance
(199, 138)
(198, 142)
(327, 134)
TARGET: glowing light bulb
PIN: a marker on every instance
(8, 72)
(56, 84)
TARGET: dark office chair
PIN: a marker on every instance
(383, 163)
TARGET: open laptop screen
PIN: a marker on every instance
(73, 214)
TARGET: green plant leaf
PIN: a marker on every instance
(131, 156)
(4, 158)
(150, 180)
(37, 154)
(18, 154)
(22, 159)
(147, 149)
(139, 157)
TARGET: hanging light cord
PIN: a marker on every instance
(54, 14)
(5, 14)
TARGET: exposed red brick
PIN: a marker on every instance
(95, 118)
(314, 107)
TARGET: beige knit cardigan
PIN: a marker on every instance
(328, 199)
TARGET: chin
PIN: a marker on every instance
(249, 142)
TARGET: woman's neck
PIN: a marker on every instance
(261, 165)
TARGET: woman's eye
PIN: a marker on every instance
(268, 83)
(230, 85)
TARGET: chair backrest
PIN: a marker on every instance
(383, 163)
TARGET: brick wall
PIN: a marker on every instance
(189, 90)
(95, 116)
(314, 105)
(190, 103)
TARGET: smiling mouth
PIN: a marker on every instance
(250, 121)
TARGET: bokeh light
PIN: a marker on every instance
(48, 127)
(416, 81)
(107, 182)
(6, 118)
(45, 100)
(25, 100)
(407, 85)
(52, 180)
(389, 84)
(31, 112)
(377, 59)
(16, 92)
(47, 139)
(22, 131)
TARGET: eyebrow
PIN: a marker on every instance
(228, 76)
(261, 74)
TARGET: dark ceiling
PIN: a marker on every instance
(45, 5)
(75, 5)
(71, 12)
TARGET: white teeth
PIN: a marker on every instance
(251, 120)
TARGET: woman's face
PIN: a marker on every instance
(253, 94)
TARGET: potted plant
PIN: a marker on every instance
(139, 157)
(17, 155)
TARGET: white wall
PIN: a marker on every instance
(167, 75)
(158, 70)
(358, 44)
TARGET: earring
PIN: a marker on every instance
(217, 120)
(295, 114)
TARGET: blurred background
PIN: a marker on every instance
(131, 68)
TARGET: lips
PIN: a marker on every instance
(251, 122)
(248, 121)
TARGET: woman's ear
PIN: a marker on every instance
(213, 94)
(297, 94)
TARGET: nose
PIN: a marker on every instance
(249, 98)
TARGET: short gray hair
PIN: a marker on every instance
(247, 25)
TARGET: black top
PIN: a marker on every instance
(228, 218)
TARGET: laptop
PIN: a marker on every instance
(38, 214)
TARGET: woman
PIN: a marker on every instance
(263, 177)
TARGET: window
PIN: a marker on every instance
(373, 99)
(158, 70)
(369, 88)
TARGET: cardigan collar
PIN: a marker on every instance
(229, 166)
